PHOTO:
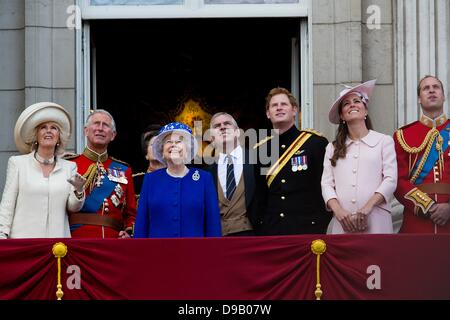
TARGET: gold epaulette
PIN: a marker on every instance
(70, 156)
(138, 174)
(317, 133)
(262, 142)
(120, 161)
(420, 199)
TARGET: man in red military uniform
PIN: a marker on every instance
(423, 160)
(109, 210)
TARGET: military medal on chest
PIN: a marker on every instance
(117, 175)
(299, 163)
(101, 172)
(304, 162)
(117, 195)
(294, 164)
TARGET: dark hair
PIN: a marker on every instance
(340, 148)
(280, 90)
(150, 131)
(429, 76)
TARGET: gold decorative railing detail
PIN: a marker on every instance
(59, 251)
(318, 247)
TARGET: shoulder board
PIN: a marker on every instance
(120, 161)
(138, 174)
(70, 156)
(408, 125)
(313, 131)
(262, 142)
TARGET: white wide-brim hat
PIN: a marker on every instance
(169, 128)
(365, 89)
(35, 115)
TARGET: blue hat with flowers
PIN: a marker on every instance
(178, 127)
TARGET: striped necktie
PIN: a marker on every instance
(231, 181)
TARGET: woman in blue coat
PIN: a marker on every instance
(177, 201)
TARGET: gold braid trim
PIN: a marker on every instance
(90, 176)
(426, 144)
(429, 138)
(422, 162)
(420, 199)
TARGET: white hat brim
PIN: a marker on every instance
(157, 147)
(366, 88)
(35, 115)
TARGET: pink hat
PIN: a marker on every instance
(365, 89)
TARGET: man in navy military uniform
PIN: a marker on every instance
(290, 196)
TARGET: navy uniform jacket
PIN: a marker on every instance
(293, 203)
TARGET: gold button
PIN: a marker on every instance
(106, 209)
(283, 146)
(283, 181)
(282, 215)
(283, 197)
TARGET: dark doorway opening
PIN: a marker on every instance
(146, 69)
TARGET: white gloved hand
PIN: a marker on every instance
(78, 181)
(3, 235)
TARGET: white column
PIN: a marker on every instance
(443, 46)
(422, 47)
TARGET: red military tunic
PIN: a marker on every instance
(118, 210)
(411, 142)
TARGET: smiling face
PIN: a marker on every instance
(431, 96)
(99, 132)
(353, 109)
(174, 148)
(48, 134)
(281, 112)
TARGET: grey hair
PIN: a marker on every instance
(102, 111)
(187, 141)
(218, 114)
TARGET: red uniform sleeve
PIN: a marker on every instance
(403, 183)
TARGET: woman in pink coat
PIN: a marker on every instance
(360, 167)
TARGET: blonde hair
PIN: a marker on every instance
(60, 147)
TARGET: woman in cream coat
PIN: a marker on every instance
(360, 167)
(40, 186)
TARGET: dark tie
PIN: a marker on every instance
(231, 182)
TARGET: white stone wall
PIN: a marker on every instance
(422, 31)
(12, 76)
(346, 50)
(37, 63)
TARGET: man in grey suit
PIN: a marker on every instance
(233, 176)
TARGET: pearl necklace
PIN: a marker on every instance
(41, 160)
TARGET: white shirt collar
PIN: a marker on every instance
(236, 154)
